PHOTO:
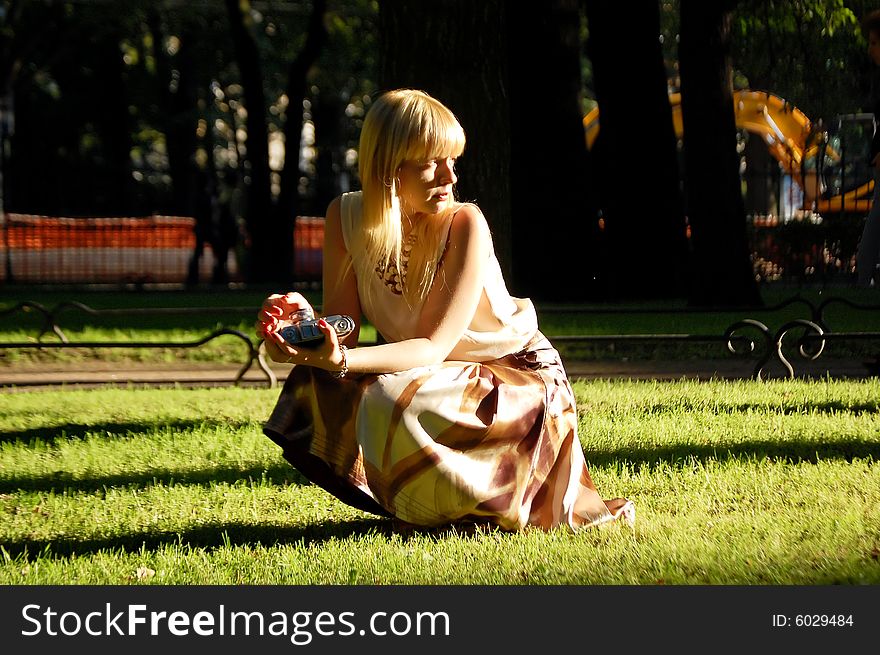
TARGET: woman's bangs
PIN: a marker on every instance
(440, 136)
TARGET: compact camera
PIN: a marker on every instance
(306, 333)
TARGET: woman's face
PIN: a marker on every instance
(874, 47)
(426, 186)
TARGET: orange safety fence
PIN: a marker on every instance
(308, 243)
(29, 231)
(43, 249)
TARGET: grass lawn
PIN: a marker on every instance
(734, 483)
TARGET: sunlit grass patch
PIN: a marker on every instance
(734, 483)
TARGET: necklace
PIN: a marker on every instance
(394, 279)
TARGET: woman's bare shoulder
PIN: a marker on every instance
(469, 219)
(334, 209)
(333, 221)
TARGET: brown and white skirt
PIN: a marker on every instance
(455, 442)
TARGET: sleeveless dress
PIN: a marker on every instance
(488, 436)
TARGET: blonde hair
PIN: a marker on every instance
(402, 125)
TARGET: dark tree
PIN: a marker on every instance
(179, 111)
(114, 127)
(297, 89)
(271, 224)
(722, 271)
(67, 101)
(341, 87)
(456, 50)
(526, 161)
(269, 249)
(192, 179)
(328, 110)
(553, 209)
(10, 64)
(11, 44)
(636, 159)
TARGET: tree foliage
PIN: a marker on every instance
(140, 107)
(810, 52)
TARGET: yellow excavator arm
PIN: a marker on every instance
(786, 131)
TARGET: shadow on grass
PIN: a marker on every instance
(61, 433)
(768, 409)
(830, 407)
(792, 452)
(279, 474)
(218, 535)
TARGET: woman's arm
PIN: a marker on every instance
(340, 294)
(446, 313)
(339, 279)
(449, 307)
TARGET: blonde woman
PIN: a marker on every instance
(465, 414)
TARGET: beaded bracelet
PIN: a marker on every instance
(341, 372)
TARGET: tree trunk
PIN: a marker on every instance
(456, 51)
(297, 88)
(114, 126)
(179, 115)
(269, 253)
(10, 55)
(722, 271)
(328, 110)
(554, 212)
(635, 154)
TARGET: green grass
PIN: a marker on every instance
(734, 483)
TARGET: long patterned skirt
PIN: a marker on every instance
(489, 442)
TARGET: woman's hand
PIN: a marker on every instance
(275, 314)
(277, 308)
(326, 355)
